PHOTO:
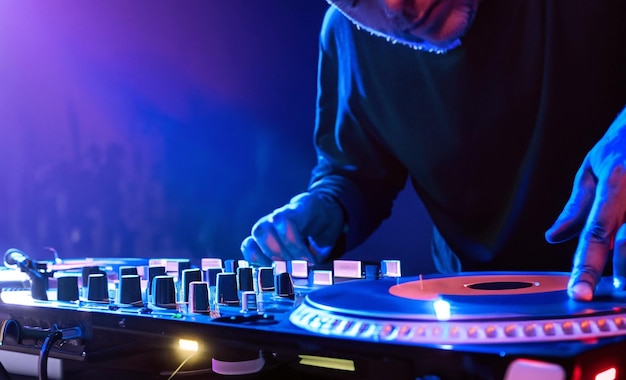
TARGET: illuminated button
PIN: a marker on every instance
(510, 331)
(348, 325)
(568, 327)
(315, 322)
(472, 332)
(585, 326)
(404, 331)
(420, 331)
(386, 331)
(437, 331)
(603, 325)
(491, 331)
(454, 332)
(549, 329)
(620, 323)
(363, 328)
(530, 330)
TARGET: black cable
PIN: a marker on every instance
(52, 337)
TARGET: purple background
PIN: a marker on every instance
(162, 128)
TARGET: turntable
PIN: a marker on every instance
(527, 317)
(351, 322)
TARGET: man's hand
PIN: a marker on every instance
(307, 228)
(596, 212)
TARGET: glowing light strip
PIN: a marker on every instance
(324, 362)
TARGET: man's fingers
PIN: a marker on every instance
(278, 237)
(595, 243)
(253, 253)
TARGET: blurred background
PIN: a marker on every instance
(163, 128)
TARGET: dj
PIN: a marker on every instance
(499, 113)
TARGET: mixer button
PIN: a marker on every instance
(530, 330)
(472, 332)
(585, 326)
(386, 331)
(210, 262)
(404, 331)
(510, 331)
(298, 268)
(568, 327)
(549, 329)
(420, 331)
(620, 322)
(603, 325)
(348, 325)
(364, 328)
(491, 332)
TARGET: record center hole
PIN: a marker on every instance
(500, 285)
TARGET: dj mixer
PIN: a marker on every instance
(173, 318)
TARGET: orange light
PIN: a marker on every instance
(609, 374)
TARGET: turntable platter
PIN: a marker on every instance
(500, 306)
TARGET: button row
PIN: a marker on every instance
(327, 323)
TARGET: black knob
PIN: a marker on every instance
(189, 275)
(67, 288)
(226, 289)
(244, 278)
(153, 271)
(97, 287)
(211, 275)
(164, 292)
(198, 297)
(130, 289)
(283, 284)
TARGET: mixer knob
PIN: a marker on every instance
(248, 301)
(226, 289)
(67, 288)
(97, 287)
(198, 296)
(153, 271)
(211, 275)
(126, 270)
(283, 284)
(189, 275)
(164, 291)
(244, 278)
(130, 289)
(181, 266)
(89, 270)
(265, 279)
(232, 265)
